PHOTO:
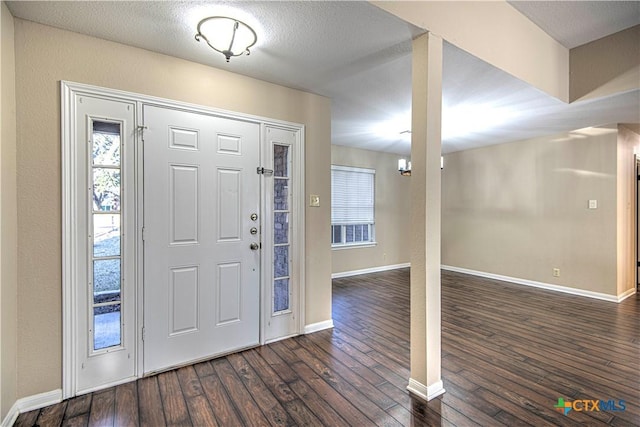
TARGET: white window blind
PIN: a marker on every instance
(352, 195)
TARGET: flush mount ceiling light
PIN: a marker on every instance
(226, 35)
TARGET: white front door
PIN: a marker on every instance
(201, 202)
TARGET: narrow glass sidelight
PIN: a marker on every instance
(281, 228)
(281, 295)
(105, 201)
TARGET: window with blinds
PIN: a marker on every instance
(352, 206)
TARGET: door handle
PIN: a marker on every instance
(254, 246)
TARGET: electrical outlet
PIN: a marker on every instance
(556, 272)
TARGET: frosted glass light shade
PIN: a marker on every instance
(226, 35)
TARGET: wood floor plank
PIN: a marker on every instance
(336, 342)
(173, 402)
(283, 370)
(77, 421)
(200, 411)
(387, 351)
(221, 404)
(335, 400)
(321, 409)
(422, 413)
(327, 415)
(331, 352)
(78, 406)
(248, 410)
(345, 380)
(308, 378)
(472, 399)
(51, 415)
(301, 414)
(189, 382)
(270, 406)
(27, 419)
(103, 408)
(204, 369)
(126, 409)
(278, 387)
(150, 403)
(508, 353)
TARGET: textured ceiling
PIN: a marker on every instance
(360, 57)
(574, 23)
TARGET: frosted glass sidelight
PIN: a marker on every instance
(281, 160)
(281, 295)
(281, 261)
(280, 228)
(280, 194)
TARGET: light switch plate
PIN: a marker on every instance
(593, 204)
(314, 200)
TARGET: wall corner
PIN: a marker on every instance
(8, 217)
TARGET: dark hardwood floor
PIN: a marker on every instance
(509, 353)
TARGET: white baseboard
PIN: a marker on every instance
(623, 296)
(315, 327)
(370, 270)
(30, 403)
(11, 416)
(426, 392)
(542, 285)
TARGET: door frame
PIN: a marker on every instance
(70, 210)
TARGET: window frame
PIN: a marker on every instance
(92, 211)
(343, 244)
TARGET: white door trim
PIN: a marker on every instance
(69, 237)
(70, 209)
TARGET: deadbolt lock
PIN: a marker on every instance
(253, 230)
(254, 217)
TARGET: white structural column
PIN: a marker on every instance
(426, 380)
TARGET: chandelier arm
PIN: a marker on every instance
(233, 35)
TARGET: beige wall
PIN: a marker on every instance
(497, 33)
(44, 56)
(606, 66)
(8, 217)
(628, 145)
(391, 211)
(520, 209)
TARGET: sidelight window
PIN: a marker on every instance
(281, 229)
(105, 238)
